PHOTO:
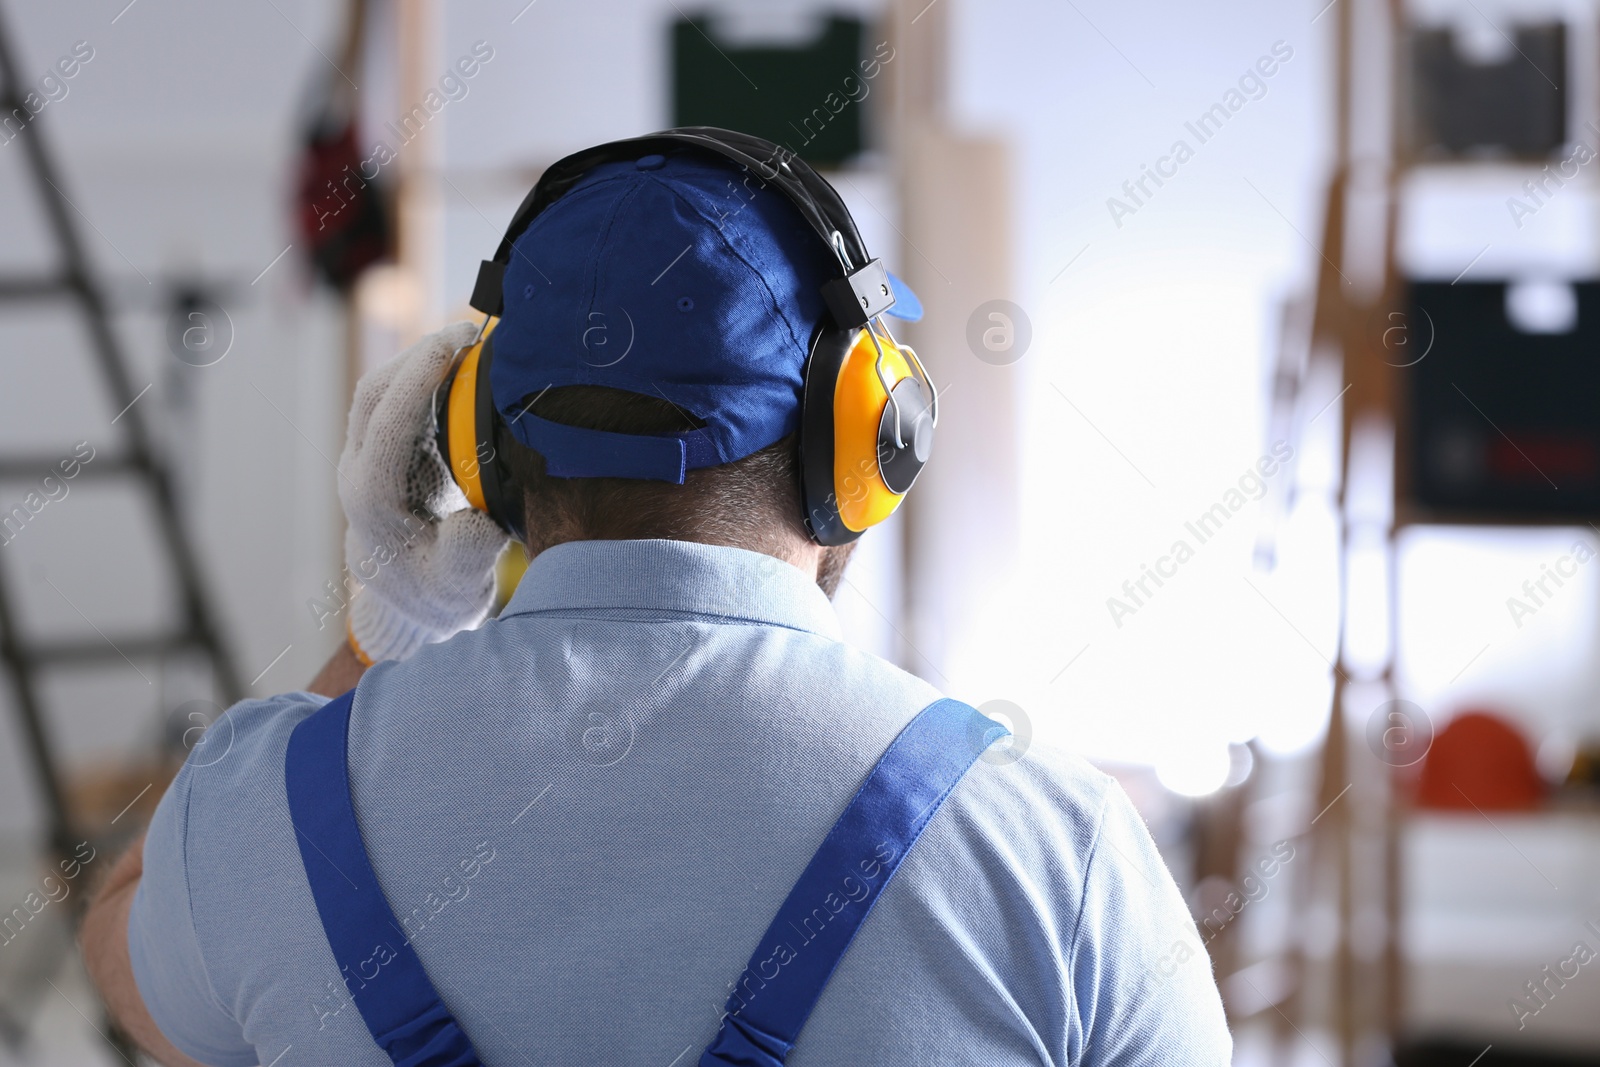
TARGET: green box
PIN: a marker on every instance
(808, 98)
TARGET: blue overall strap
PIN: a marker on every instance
(381, 970)
(794, 959)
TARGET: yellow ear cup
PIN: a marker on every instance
(461, 424)
(858, 402)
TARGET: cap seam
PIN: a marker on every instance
(597, 262)
(774, 306)
(542, 219)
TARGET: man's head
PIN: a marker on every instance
(656, 318)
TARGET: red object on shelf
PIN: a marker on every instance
(341, 210)
(1480, 761)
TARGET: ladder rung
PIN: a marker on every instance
(31, 469)
(31, 286)
(95, 649)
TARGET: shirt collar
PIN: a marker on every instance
(673, 578)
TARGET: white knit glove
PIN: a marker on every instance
(424, 558)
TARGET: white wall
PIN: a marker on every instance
(1158, 333)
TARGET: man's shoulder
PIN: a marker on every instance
(1036, 806)
(238, 758)
(210, 824)
(1050, 774)
(249, 726)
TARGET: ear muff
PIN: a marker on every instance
(857, 457)
(455, 407)
(470, 436)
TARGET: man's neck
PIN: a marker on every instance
(822, 565)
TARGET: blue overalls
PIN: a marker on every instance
(774, 994)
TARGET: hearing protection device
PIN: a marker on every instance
(867, 411)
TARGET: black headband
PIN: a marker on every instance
(860, 293)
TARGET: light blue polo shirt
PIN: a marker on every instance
(586, 812)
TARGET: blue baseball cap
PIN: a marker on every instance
(671, 276)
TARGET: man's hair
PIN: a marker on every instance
(752, 503)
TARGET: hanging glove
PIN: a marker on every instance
(423, 558)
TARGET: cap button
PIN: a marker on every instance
(651, 162)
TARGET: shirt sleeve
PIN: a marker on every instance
(168, 966)
(1140, 972)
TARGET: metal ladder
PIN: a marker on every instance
(199, 631)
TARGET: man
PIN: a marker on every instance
(582, 815)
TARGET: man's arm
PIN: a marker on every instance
(104, 933)
(340, 674)
(1143, 985)
(433, 577)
